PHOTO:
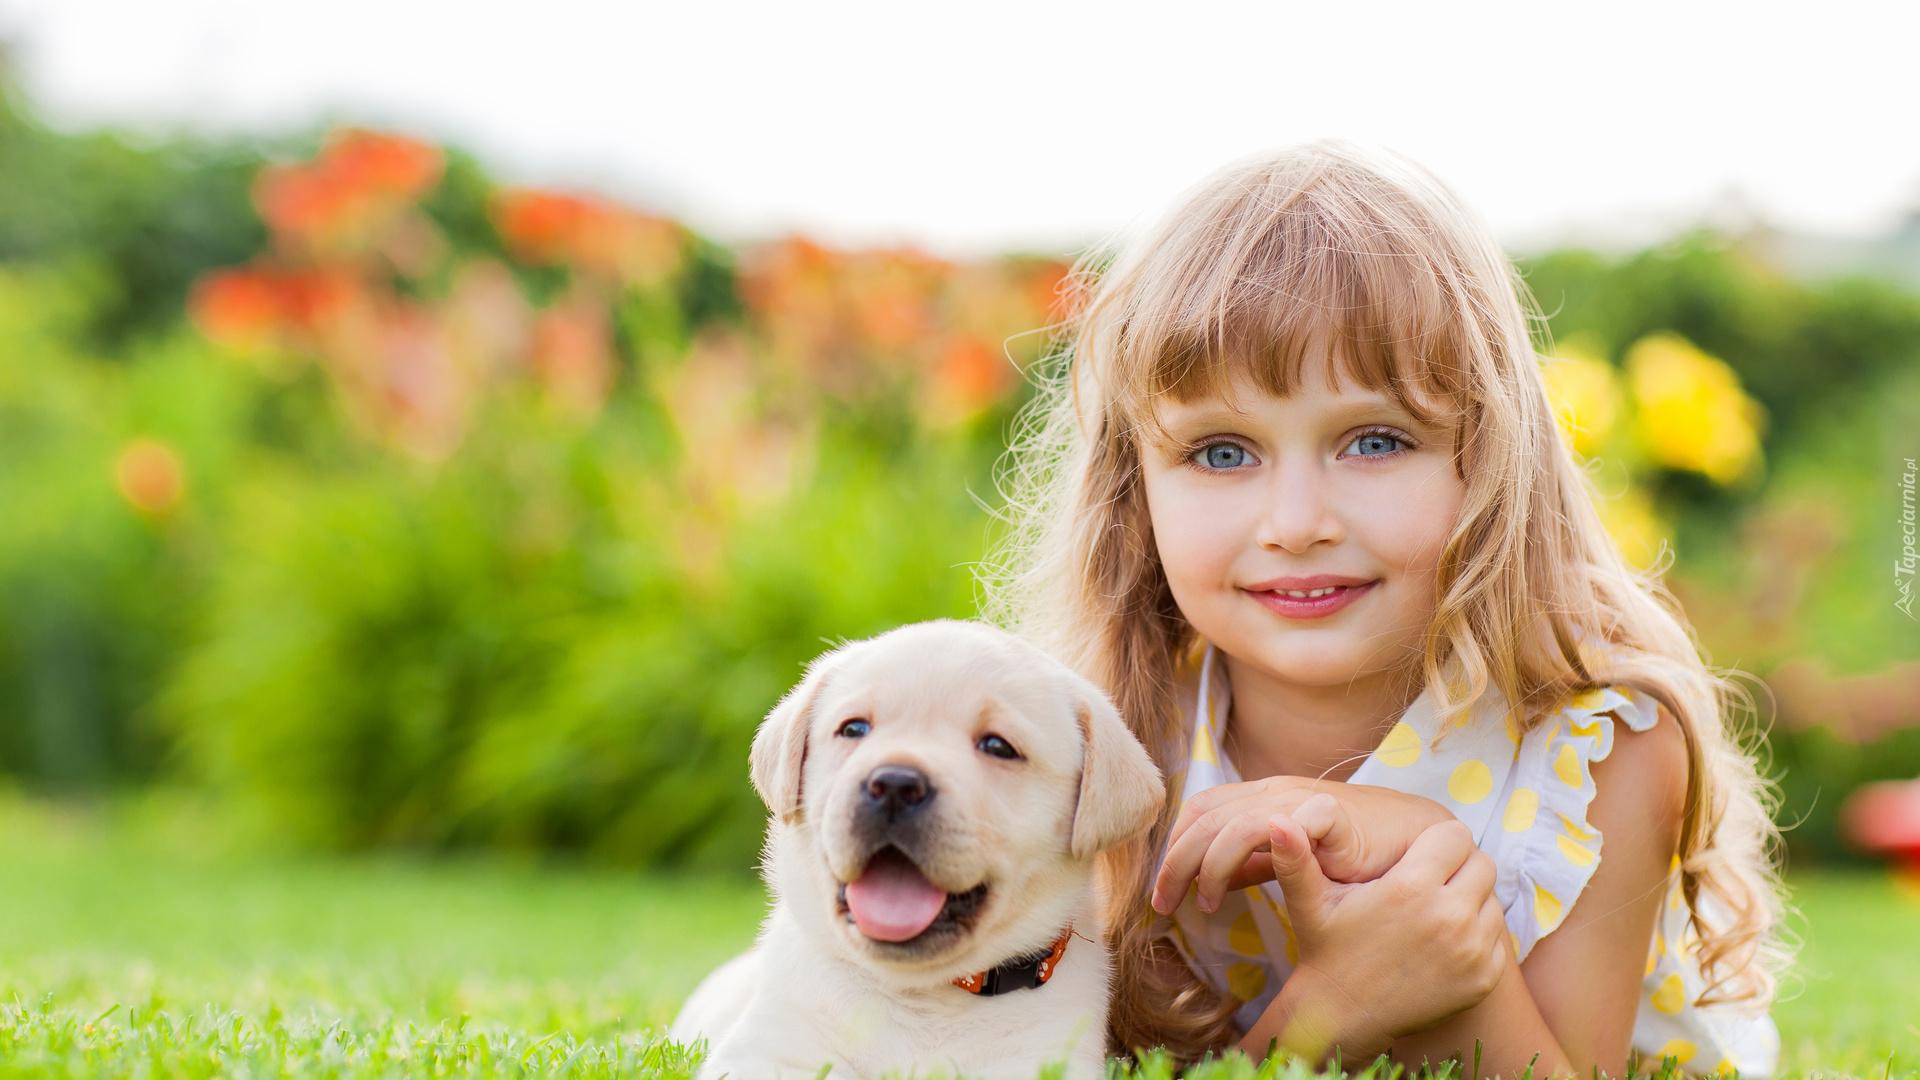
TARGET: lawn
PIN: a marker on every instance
(129, 948)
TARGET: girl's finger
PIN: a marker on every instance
(1475, 876)
(1231, 847)
(1206, 802)
(1336, 842)
(1257, 869)
(1184, 854)
(1297, 871)
(1435, 855)
(1493, 925)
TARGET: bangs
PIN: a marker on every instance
(1272, 276)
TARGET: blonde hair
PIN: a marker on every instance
(1372, 255)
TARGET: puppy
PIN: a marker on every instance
(938, 794)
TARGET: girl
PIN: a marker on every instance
(1297, 499)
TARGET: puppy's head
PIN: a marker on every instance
(942, 790)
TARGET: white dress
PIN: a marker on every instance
(1525, 798)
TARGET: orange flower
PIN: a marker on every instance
(252, 307)
(239, 308)
(1054, 291)
(148, 475)
(358, 183)
(599, 237)
(974, 374)
(372, 162)
(538, 226)
(624, 245)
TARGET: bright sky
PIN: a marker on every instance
(1032, 124)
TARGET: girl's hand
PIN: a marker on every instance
(1384, 958)
(1220, 839)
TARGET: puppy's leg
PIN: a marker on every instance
(718, 1001)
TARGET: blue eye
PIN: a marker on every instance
(1223, 456)
(1375, 443)
(854, 729)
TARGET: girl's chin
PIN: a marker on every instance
(1332, 658)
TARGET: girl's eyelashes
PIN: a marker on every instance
(1379, 442)
(1222, 455)
(1219, 456)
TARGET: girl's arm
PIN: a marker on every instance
(1575, 998)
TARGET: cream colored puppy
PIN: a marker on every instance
(939, 794)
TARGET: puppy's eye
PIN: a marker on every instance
(998, 747)
(854, 729)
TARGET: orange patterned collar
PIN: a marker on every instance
(1020, 973)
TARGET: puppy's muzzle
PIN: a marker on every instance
(895, 793)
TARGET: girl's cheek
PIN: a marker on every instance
(1195, 532)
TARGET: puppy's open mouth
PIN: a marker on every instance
(892, 901)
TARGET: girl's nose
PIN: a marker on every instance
(1300, 511)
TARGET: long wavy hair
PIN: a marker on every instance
(1365, 251)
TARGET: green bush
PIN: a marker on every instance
(520, 650)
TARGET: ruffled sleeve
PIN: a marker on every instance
(1549, 851)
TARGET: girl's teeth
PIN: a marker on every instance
(1310, 593)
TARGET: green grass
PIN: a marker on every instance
(129, 947)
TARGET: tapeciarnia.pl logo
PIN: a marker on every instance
(1904, 565)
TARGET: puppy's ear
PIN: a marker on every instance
(780, 746)
(1120, 788)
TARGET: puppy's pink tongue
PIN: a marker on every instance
(890, 901)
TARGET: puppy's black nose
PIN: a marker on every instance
(897, 790)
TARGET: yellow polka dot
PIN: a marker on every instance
(1588, 699)
(1671, 997)
(1471, 782)
(1401, 747)
(1567, 767)
(1245, 981)
(1576, 829)
(1203, 746)
(1653, 961)
(1286, 924)
(1587, 732)
(1725, 1068)
(1574, 853)
(1514, 939)
(1243, 936)
(1520, 810)
(1547, 909)
(1680, 1050)
(1674, 865)
(1513, 729)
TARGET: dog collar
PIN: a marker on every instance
(1020, 973)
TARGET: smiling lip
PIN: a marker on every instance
(1272, 595)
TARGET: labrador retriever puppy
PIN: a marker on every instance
(939, 794)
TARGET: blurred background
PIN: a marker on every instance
(431, 437)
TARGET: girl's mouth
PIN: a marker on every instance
(1311, 603)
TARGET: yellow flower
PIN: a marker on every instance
(1634, 524)
(1693, 414)
(1585, 392)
